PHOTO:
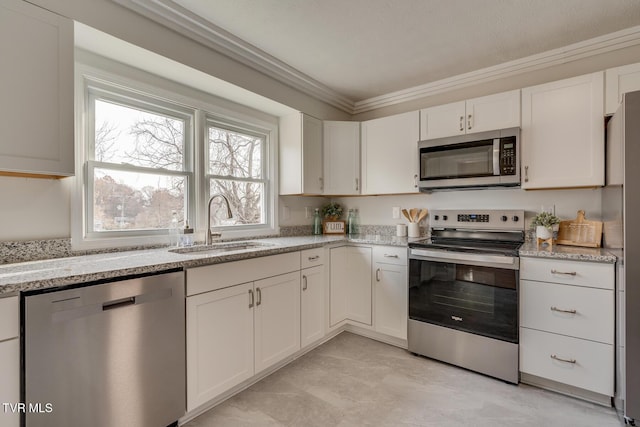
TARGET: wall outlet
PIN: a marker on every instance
(308, 212)
(286, 213)
(395, 212)
(548, 208)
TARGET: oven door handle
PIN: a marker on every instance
(452, 257)
(496, 156)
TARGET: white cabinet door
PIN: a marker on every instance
(620, 80)
(300, 152)
(391, 299)
(312, 305)
(563, 133)
(339, 266)
(277, 319)
(499, 111)
(358, 284)
(36, 83)
(10, 384)
(341, 142)
(390, 154)
(219, 342)
(443, 120)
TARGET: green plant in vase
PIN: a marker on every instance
(544, 223)
(332, 211)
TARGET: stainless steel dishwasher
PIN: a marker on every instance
(109, 354)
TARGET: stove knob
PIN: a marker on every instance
(444, 217)
(503, 218)
(515, 218)
(437, 217)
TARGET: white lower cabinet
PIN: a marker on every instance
(350, 291)
(567, 323)
(9, 360)
(312, 305)
(390, 291)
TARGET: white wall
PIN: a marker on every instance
(293, 209)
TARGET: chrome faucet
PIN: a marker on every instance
(209, 235)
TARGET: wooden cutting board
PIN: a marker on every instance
(580, 232)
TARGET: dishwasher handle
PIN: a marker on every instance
(118, 303)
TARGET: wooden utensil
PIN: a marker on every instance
(422, 215)
(580, 232)
(413, 212)
(406, 214)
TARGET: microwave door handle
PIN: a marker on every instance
(496, 156)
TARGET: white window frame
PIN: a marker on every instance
(114, 77)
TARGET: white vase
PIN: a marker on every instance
(543, 232)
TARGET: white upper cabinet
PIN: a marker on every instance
(300, 153)
(341, 158)
(562, 134)
(620, 80)
(390, 154)
(36, 82)
(498, 111)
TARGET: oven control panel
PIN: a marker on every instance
(509, 219)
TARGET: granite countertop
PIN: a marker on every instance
(575, 253)
(32, 275)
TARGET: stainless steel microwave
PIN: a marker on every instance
(484, 159)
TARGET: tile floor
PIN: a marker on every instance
(354, 381)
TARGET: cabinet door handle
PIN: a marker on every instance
(357, 184)
(526, 174)
(251, 301)
(469, 122)
(461, 123)
(566, 273)
(554, 357)
(314, 258)
(321, 183)
(390, 256)
(304, 283)
(259, 292)
(415, 181)
(378, 275)
(553, 308)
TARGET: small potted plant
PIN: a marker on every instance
(545, 224)
(332, 211)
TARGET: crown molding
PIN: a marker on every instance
(187, 23)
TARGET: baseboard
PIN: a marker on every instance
(566, 389)
(350, 327)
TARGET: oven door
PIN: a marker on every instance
(479, 299)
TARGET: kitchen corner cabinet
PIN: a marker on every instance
(242, 317)
(390, 291)
(350, 285)
(341, 142)
(9, 359)
(619, 81)
(390, 154)
(312, 296)
(562, 135)
(300, 151)
(36, 82)
(567, 322)
(498, 111)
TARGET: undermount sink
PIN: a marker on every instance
(217, 248)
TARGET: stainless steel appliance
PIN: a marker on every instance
(620, 205)
(110, 354)
(482, 159)
(463, 290)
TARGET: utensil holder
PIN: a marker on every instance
(414, 229)
(401, 230)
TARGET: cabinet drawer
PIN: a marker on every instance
(218, 276)
(390, 255)
(9, 319)
(311, 257)
(595, 275)
(588, 365)
(549, 307)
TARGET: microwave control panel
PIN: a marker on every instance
(508, 157)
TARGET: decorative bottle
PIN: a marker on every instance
(352, 222)
(317, 222)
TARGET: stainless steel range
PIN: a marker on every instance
(463, 290)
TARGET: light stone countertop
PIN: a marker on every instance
(575, 253)
(33, 275)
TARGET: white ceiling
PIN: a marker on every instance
(362, 49)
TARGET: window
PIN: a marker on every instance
(148, 152)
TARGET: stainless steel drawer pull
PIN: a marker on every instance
(469, 122)
(390, 256)
(563, 311)
(304, 283)
(259, 292)
(118, 303)
(314, 258)
(554, 357)
(461, 123)
(378, 275)
(567, 273)
(251, 298)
